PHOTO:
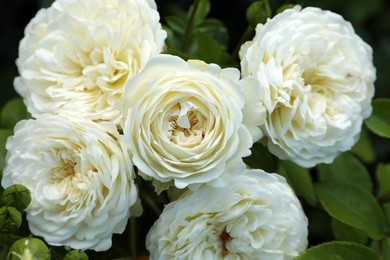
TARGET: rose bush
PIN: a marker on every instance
(184, 121)
(76, 55)
(318, 78)
(307, 82)
(255, 216)
(80, 178)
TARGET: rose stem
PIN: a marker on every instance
(186, 38)
(151, 203)
(133, 236)
(247, 34)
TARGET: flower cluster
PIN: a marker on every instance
(105, 100)
(73, 62)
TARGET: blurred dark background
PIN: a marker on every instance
(370, 18)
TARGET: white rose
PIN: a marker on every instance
(80, 178)
(255, 216)
(318, 78)
(184, 121)
(77, 54)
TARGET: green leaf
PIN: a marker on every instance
(76, 255)
(209, 49)
(353, 206)
(375, 245)
(4, 134)
(260, 158)
(13, 111)
(202, 10)
(299, 179)
(258, 12)
(383, 177)
(338, 250)
(344, 232)
(216, 29)
(379, 121)
(346, 168)
(10, 219)
(176, 23)
(16, 196)
(177, 10)
(29, 248)
(364, 148)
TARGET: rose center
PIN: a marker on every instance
(104, 71)
(68, 184)
(186, 125)
(225, 238)
(317, 81)
(65, 171)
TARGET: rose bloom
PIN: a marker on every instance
(318, 78)
(255, 216)
(80, 178)
(76, 55)
(184, 121)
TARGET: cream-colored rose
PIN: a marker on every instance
(255, 216)
(318, 81)
(184, 121)
(76, 55)
(80, 177)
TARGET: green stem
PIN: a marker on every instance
(133, 237)
(245, 37)
(187, 32)
(118, 250)
(152, 204)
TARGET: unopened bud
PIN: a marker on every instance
(29, 249)
(16, 196)
(10, 219)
